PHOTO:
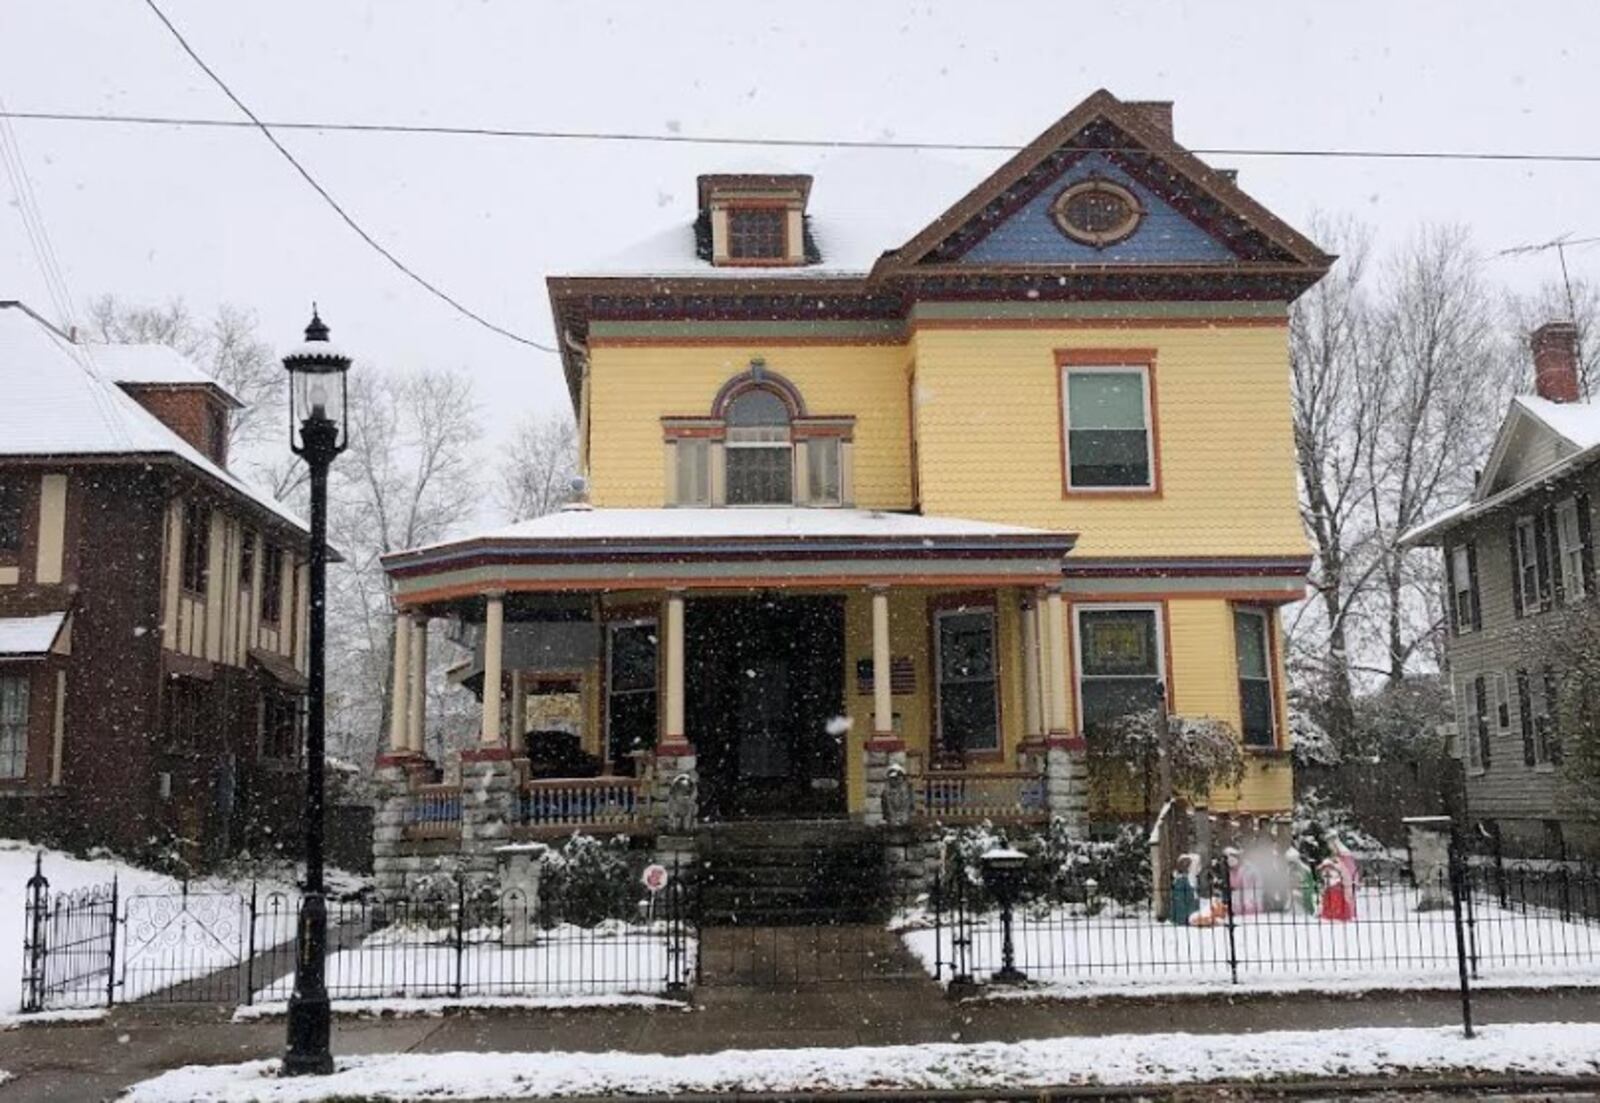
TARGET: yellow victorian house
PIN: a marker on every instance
(867, 512)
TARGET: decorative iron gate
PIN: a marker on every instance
(69, 945)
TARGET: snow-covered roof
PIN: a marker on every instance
(23, 637)
(158, 365)
(581, 523)
(862, 204)
(1578, 422)
(59, 401)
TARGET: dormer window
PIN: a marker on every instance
(758, 233)
(758, 447)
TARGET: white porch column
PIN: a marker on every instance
(417, 709)
(399, 692)
(674, 735)
(519, 710)
(1032, 701)
(493, 644)
(882, 691)
(1055, 625)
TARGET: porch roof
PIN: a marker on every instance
(582, 548)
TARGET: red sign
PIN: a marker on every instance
(655, 878)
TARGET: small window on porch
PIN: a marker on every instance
(631, 723)
(1119, 663)
(969, 702)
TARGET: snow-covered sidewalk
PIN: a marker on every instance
(1563, 1049)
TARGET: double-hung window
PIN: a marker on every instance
(1569, 549)
(824, 482)
(13, 727)
(1107, 427)
(196, 548)
(969, 701)
(692, 457)
(759, 455)
(272, 585)
(1461, 596)
(1119, 662)
(1530, 578)
(1252, 636)
(630, 690)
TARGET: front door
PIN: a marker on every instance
(764, 683)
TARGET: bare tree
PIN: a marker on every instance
(536, 474)
(1440, 388)
(225, 346)
(1334, 354)
(406, 481)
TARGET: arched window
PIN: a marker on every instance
(760, 458)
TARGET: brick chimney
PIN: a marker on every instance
(1555, 362)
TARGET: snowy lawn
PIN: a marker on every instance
(613, 958)
(1389, 945)
(1120, 1059)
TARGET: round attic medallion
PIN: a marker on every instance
(1097, 212)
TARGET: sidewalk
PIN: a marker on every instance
(77, 1063)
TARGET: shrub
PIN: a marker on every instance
(1060, 863)
(588, 880)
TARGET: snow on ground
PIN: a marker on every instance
(408, 1008)
(1119, 1059)
(613, 958)
(1389, 946)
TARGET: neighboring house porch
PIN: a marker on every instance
(661, 669)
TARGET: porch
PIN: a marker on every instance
(814, 664)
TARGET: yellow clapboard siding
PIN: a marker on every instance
(989, 438)
(631, 388)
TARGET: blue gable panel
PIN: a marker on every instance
(1030, 235)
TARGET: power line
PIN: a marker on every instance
(426, 129)
(349, 220)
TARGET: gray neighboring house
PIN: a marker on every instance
(1519, 559)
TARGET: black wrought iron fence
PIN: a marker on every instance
(454, 939)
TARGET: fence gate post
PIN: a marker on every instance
(461, 930)
(1457, 889)
(250, 953)
(1225, 879)
(38, 904)
(111, 947)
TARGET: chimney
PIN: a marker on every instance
(1555, 361)
(1155, 113)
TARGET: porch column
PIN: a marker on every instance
(519, 710)
(882, 691)
(1054, 627)
(1032, 701)
(493, 643)
(673, 736)
(417, 707)
(399, 692)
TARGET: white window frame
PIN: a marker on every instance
(1081, 607)
(1467, 722)
(1528, 564)
(987, 609)
(14, 766)
(1143, 371)
(813, 497)
(1569, 556)
(1461, 579)
(611, 627)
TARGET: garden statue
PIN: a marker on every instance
(1336, 904)
(1306, 877)
(682, 806)
(1185, 896)
(898, 801)
(1349, 874)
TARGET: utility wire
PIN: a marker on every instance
(789, 143)
(349, 220)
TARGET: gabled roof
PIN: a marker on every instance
(59, 403)
(1572, 427)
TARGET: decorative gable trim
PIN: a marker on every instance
(1127, 135)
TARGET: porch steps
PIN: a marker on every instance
(792, 873)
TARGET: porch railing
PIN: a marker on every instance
(581, 802)
(970, 796)
(434, 812)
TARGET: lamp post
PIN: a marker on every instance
(1002, 876)
(318, 431)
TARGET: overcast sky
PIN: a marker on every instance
(150, 213)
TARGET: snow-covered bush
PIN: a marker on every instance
(1060, 864)
(587, 880)
(1317, 819)
(1125, 752)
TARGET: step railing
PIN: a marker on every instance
(972, 796)
(434, 812)
(587, 802)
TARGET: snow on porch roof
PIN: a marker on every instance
(29, 637)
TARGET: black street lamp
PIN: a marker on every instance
(1002, 876)
(318, 431)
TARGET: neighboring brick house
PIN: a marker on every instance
(152, 606)
(1519, 559)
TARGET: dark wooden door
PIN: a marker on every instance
(764, 680)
